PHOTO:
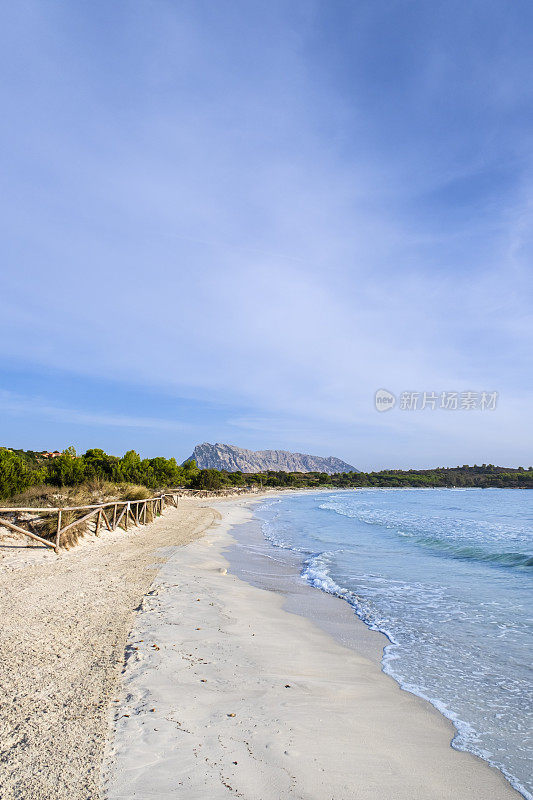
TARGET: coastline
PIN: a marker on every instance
(272, 562)
(229, 687)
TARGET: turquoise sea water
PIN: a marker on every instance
(447, 575)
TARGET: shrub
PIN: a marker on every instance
(15, 476)
(128, 491)
(39, 496)
(66, 470)
(207, 479)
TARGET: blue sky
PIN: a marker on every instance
(236, 221)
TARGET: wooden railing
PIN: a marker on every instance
(111, 514)
(227, 491)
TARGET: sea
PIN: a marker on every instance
(446, 575)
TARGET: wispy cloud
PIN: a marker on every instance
(35, 407)
(241, 206)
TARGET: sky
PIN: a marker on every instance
(237, 221)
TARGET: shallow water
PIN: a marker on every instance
(447, 575)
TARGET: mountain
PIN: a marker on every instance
(237, 459)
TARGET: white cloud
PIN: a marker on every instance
(207, 217)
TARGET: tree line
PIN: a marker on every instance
(484, 476)
(21, 469)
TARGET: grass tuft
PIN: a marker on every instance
(90, 493)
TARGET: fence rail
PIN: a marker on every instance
(110, 514)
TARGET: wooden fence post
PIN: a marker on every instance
(58, 533)
(106, 520)
(139, 515)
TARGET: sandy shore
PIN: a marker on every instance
(64, 626)
(225, 692)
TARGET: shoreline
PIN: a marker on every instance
(258, 562)
(310, 716)
(334, 614)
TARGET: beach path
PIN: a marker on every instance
(64, 625)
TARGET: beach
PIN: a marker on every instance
(65, 623)
(143, 665)
(226, 692)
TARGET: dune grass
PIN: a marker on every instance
(92, 492)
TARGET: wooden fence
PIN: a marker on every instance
(110, 514)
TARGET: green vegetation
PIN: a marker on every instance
(16, 474)
(484, 476)
(22, 469)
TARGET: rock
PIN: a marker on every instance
(236, 459)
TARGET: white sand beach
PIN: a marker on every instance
(64, 624)
(226, 693)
